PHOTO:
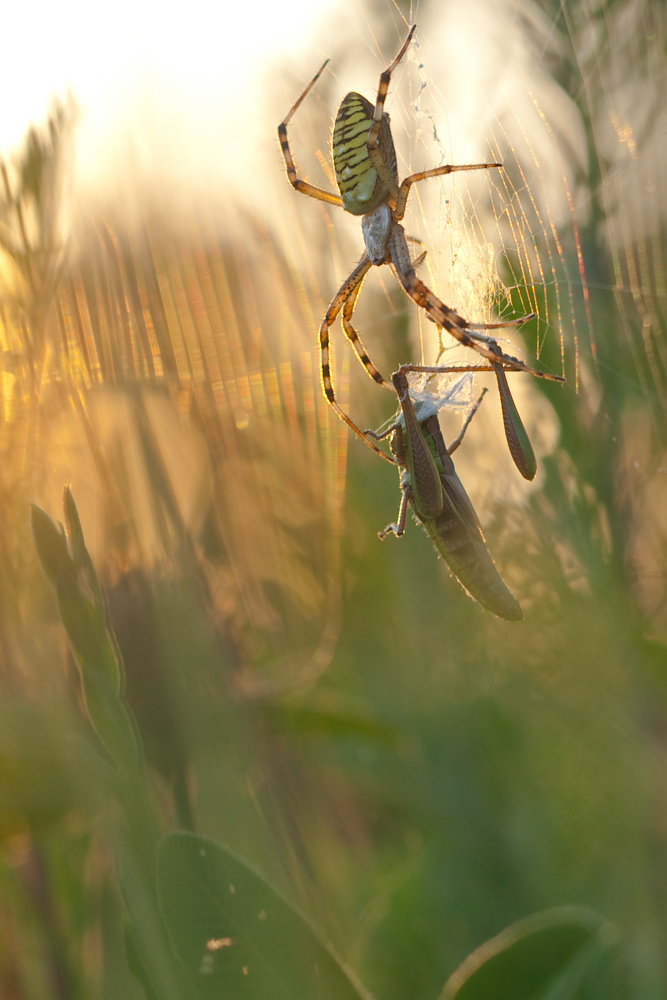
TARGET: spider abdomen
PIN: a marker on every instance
(360, 187)
(376, 227)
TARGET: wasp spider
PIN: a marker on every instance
(367, 176)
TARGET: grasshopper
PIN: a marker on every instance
(430, 485)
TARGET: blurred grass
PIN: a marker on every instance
(412, 773)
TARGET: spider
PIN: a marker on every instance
(367, 176)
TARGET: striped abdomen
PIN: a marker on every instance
(360, 187)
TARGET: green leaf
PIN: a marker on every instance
(150, 957)
(111, 718)
(235, 935)
(542, 957)
(52, 549)
(80, 555)
(85, 623)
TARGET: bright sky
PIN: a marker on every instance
(182, 96)
(135, 59)
(185, 89)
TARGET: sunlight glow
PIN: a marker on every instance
(134, 63)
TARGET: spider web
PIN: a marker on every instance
(574, 226)
(568, 97)
(501, 236)
(493, 250)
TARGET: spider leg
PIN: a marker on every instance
(297, 182)
(519, 321)
(355, 339)
(383, 171)
(442, 315)
(423, 175)
(349, 289)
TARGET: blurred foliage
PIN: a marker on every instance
(434, 795)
